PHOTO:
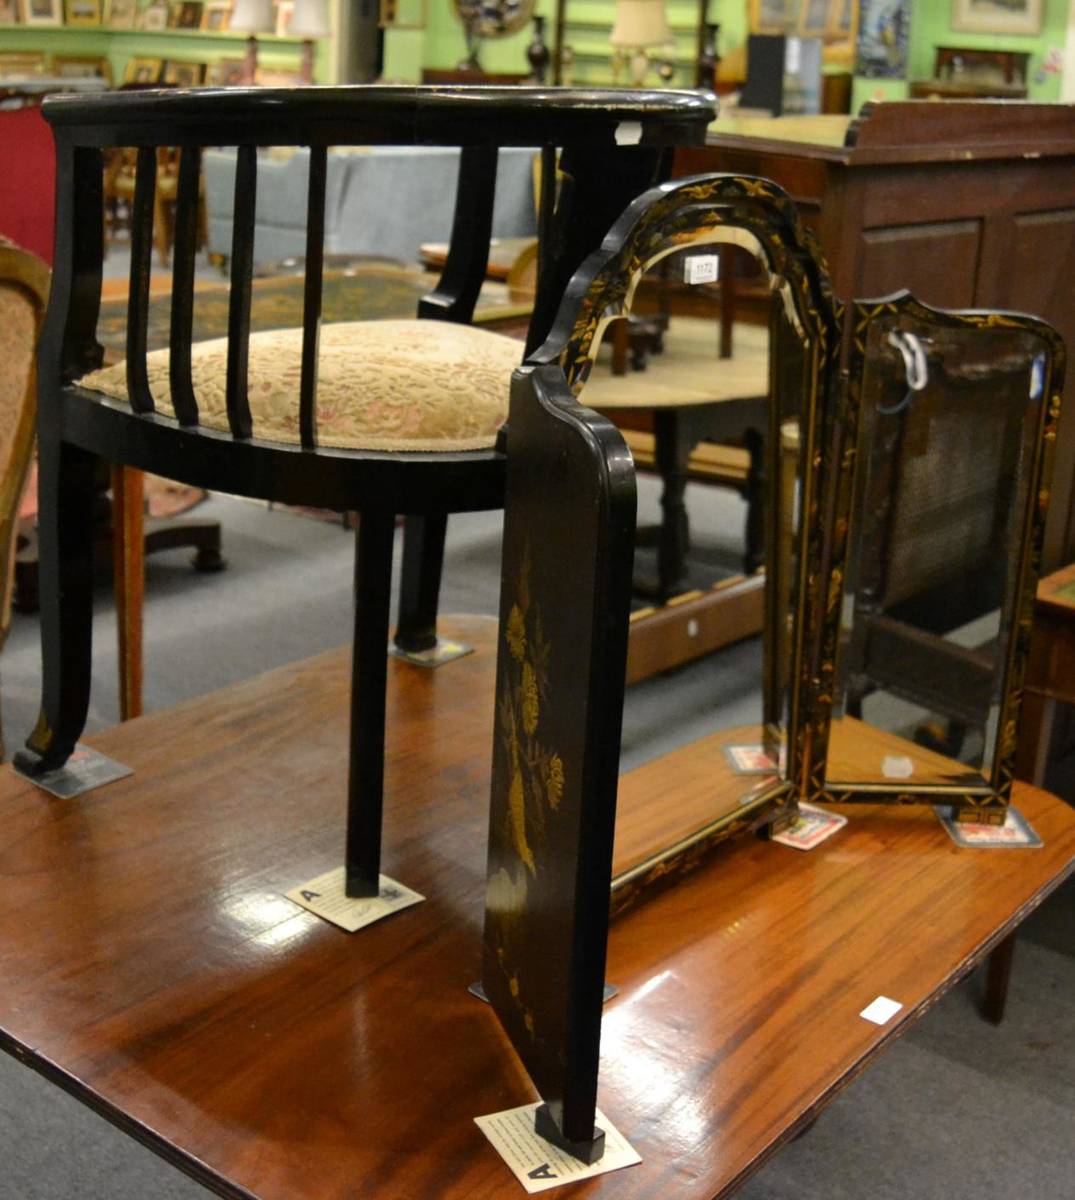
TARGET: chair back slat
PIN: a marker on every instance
(468, 252)
(186, 240)
(242, 266)
(145, 183)
(311, 307)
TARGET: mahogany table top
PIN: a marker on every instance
(152, 967)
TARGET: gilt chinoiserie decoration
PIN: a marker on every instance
(942, 455)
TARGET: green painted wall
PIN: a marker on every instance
(930, 28)
(442, 45)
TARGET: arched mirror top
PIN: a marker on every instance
(754, 214)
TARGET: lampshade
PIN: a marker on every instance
(309, 19)
(252, 16)
(639, 23)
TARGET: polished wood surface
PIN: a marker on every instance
(968, 205)
(153, 968)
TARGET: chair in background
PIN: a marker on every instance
(24, 289)
(384, 418)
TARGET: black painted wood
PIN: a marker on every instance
(561, 663)
(311, 309)
(145, 182)
(183, 254)
(365, 784)
(419, 583)
(455, 295)
(242, 266)
(388, 115)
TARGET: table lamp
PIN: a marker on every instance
(639, 24)
(308, 21)
(252, 17)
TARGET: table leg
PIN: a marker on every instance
(998, 973)
(128, 576)
(673, 443)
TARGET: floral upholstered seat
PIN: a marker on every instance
(382, 385)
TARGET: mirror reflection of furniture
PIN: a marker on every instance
(945, 482)
(252, 17)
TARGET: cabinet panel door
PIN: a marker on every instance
(1040, 270)
(937, 261)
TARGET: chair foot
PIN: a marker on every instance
(361, 885)
(208, 559)
(34, 763)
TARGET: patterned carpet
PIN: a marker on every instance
(360, 293)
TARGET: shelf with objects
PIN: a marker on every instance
(211, 53)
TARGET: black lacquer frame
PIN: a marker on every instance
(988, 802)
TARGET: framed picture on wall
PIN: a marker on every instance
(216, 15)
(227, 72)
(83, 12)
(154, 17)
(997, 16)
(183, 74)
(884, 31)
(81, 66)
(42, 12)
(143, 70)
(122, 14)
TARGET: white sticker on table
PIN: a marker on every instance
(881, 1011)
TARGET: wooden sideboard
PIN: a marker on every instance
(965, 204)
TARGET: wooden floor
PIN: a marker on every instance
(152, 967)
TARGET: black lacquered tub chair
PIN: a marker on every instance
(387, 418)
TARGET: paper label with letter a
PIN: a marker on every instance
(539, 1165)
(325, 897)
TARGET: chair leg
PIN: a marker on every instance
(66, 489)
(128, 575)
(419, 588)
(369, 673)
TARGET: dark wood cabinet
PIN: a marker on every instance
(966, 204)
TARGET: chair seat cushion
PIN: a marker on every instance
(382, 385)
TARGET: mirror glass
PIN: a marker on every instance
(946, 447)
(710, 385)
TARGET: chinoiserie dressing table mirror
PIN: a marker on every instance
(832, 517)
(941, 474)
(748, 766)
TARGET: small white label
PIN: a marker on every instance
(793, 56)
(701, 268)
(539, 1165)
(628, 133)
(325, 898)
(881, 1011)
(897, 766)
(692, 628)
